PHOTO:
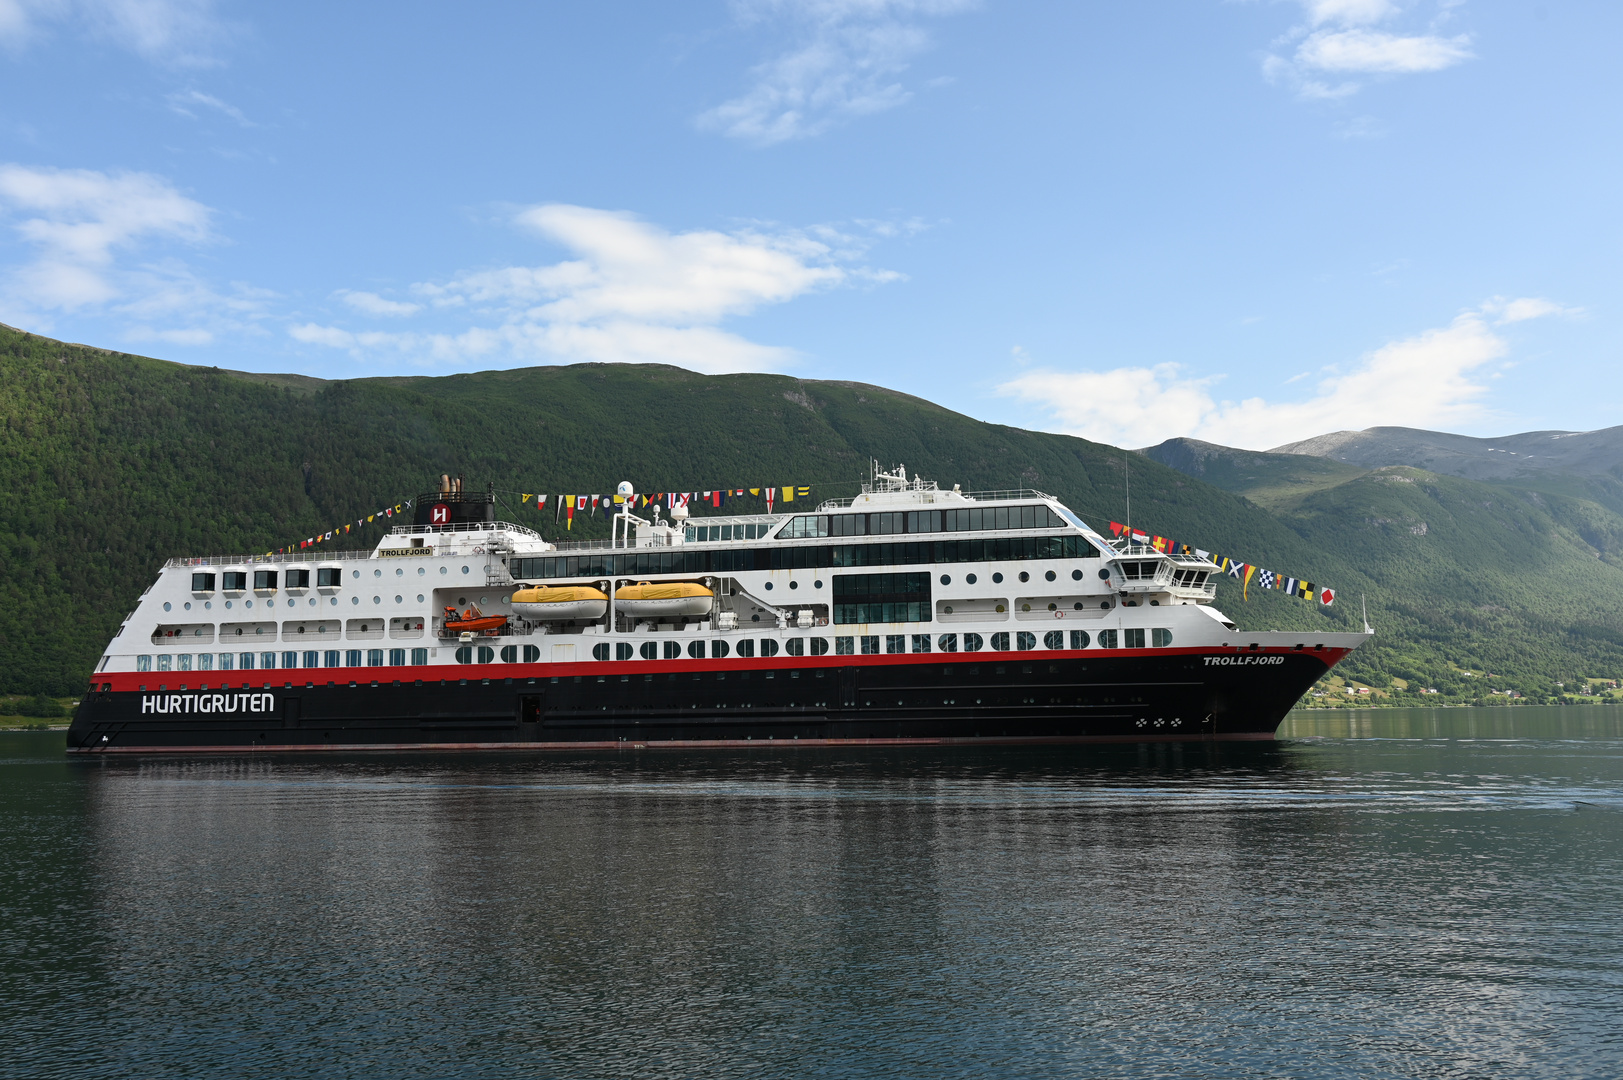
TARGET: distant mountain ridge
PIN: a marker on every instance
(1509, 457)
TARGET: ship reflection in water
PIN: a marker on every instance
(1419, 905)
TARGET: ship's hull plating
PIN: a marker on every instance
(1089, 696)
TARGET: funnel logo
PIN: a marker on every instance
(439, 514)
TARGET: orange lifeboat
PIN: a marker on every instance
(472, 621)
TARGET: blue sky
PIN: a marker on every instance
(1250, 222)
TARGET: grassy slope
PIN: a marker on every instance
(114, 463)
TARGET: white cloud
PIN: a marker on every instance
(373, 304)
(177, 32)
(846, 63)
(1431, 380)
(633, 293)
(1371, 52)
(1514, 311)
(78, 218)
(187, 102)
(1337, 39)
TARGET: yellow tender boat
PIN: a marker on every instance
(561, 603)
(664, 599)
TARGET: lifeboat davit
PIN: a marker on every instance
(664, 599)
(561, 602)
(472, 621)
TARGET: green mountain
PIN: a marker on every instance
(114, 463)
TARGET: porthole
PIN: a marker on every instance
(1105, 606)
(187, 605)
(997, 578)
(166, 605)
(247, 603)
(1050, 575)
(228, 605)
(1053, 607)
(354, 573)
(769, 586)
(1025, 607)
(355, 599)
(970, 578)
(1078, 606)
(398, 599)
(817, 584)
(1076, 575)
(484, 600)
(421, 570)
(461, 600)
(1000, 609)
(331, 600)
(312, 601)
(207, 605)
(947, 610)
(1024, 576)
(377, 573)
(419, 598)
(464, 569)
(1104, 573)
(946, 579)
(794, 584)
(399, 571)
(445, 570)
(377, 599)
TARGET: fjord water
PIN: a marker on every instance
(1430, 893)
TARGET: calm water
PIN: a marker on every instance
(1426, 894)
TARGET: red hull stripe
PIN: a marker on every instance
(133, 680)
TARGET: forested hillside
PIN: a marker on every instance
(114, 463)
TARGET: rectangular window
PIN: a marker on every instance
(205, 661)
(1079, 639)
(895, 643)
(165, 661)
(870, 644)
(330, 658)
(298, 579)
(312, 658)
(947, 642)
(397, 657)
(374, 658)
(245, 661)
(202, 583)
(819, 646)
(143, 663)
(264, 579)
(267, 661)
(881, 598)
(1107, 639)
(1160, 638)
(419, 657)
(225, 661)
(329, 577)
(843, 646)
(795, 646)
(352, 658)
(290, 659)
(921, 642)
(848, 525)
(1134, 638)
(234, 580)
(183, 662)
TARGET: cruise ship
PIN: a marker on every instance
(910, 614)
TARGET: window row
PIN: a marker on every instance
(803, 557)
(269, 660)
(865, 645)
(237, 580)
(976, 519)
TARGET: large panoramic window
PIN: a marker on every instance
(881, 598)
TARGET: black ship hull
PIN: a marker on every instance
(1011, 697)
